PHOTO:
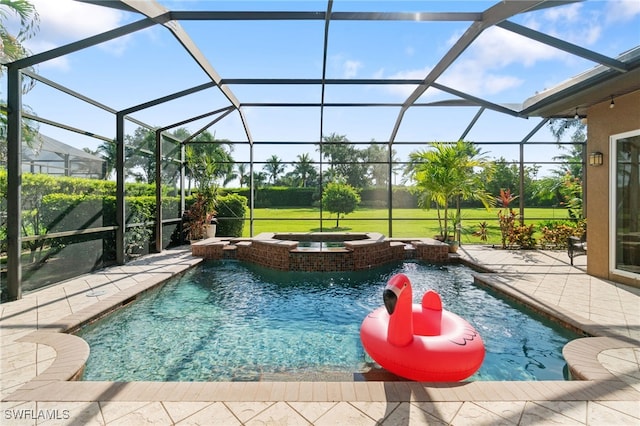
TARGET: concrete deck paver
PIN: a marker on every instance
(540, 277)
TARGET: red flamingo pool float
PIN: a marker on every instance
(420, 342)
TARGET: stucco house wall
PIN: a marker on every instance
(603, 122)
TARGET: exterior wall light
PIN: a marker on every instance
(596, 159)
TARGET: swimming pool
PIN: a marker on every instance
(233, 321)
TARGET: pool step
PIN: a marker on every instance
(230, 251)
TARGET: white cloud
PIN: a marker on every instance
(479, 71)
(567, 13)
(403, 90)
(497, 48)
(484, 68)
(495, 83)
(622, 10)
(572, 23)
(344, 66)
(66, 21)
(473, 77)
(378, 74)
(351, 68)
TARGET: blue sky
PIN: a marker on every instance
(501, 67)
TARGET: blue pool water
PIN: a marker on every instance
(232, 321)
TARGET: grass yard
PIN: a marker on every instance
(406, 222)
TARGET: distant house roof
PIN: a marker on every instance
(48, 155)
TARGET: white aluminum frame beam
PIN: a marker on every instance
(490, 17)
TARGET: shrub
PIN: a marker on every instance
(556, 234)
(482, 232)
(507, 224)
(63, 212)
(231, 211)
(138, 237)
(522, 236)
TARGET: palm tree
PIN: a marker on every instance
(107, 150)
(378, 158)
(345, 159)
(274, 168)
(572, 156)
(243, 174)
(449, 172)
(209, 160)
(304, 168)
(12, 49)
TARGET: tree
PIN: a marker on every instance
(140, 162)
(447, 173)
(304, 170)
(566, 182)
(209, 161)
(243, 174)
(340, 198)
(12, 49)
(377, 157)
(506, 175)
(572, 156)
(274, 168)
(259, 179)
(12, 45)
(344, 160)
(107, 150)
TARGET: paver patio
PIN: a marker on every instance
(38, 359)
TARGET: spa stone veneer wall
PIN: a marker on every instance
(363, 252)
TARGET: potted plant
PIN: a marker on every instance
(207, 163)
(200, 219)
(211, 225)
(453, 237)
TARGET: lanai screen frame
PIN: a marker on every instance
(155, 14)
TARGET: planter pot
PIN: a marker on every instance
(211, 230)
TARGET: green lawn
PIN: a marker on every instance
(406, 222)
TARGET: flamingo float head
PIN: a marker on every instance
(397, 299)
(397, 285)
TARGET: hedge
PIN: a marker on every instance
(39, 184)
(276, 196)
(231, 210)
(309, 197)
(378, 198)
(63, 212)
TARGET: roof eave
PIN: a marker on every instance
(584, 90)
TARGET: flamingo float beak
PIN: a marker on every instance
(390, 300)
(393, 290)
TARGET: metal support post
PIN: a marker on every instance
(14, 183)
(158, 222)
(121, 221)
(390, 190)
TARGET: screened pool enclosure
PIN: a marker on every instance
(305, 93)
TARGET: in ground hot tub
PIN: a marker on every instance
(321, 251)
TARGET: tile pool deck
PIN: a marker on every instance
(38, 359)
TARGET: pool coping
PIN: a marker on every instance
(56, 383)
